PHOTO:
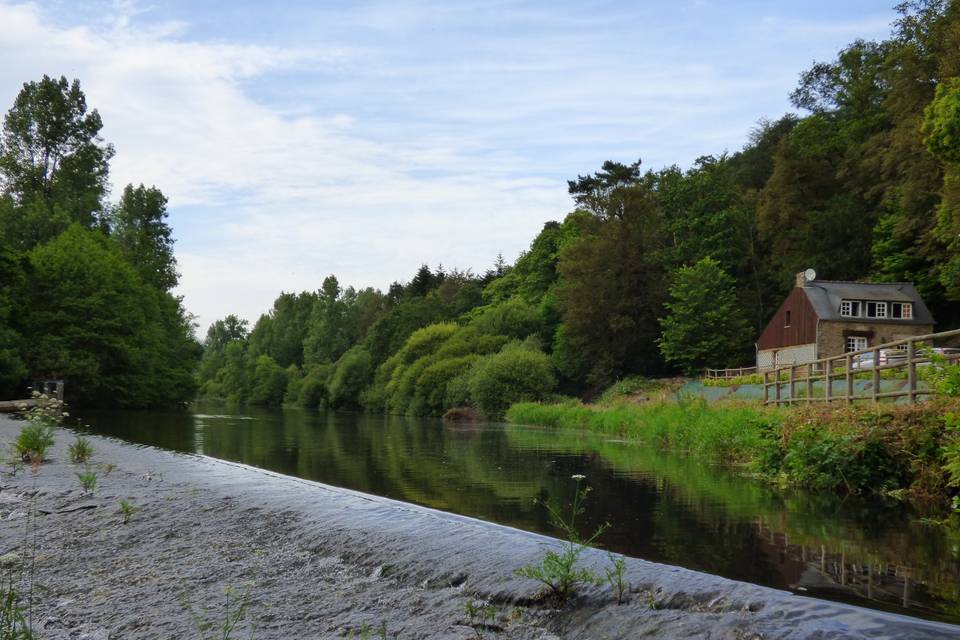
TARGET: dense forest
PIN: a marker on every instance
(654, 271)
(84, 282)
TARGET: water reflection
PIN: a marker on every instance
(661, 507)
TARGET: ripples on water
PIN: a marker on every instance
(661, 507)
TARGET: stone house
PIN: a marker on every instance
(821, 318)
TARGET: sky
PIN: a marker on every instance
(299, 139)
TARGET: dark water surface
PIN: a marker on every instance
(660, 506)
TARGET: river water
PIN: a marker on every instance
(660, 506)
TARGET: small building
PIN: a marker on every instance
(820, 319)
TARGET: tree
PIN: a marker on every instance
(611, 289)
(138, 225)
(705, 326)
(53, 162)
(89, 318)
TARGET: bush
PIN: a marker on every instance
(80, 451)
(33, 442)
(514, 318)
(269, 382)
(513, 375)
(313, 389)
(351, 375)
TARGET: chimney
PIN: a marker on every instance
(802, 279)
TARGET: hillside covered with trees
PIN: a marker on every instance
(84, 282)
(654, 271)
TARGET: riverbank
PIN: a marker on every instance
(905, 451)
(320, 562)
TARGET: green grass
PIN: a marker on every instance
(730, 433)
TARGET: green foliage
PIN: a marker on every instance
(33, 441)
(88, 480)
(269, 383)
(941, 374)
(350, 377)
(941, 124)
(513, 375)
(237, 602)
(127, 510)
(615, 574)
(138, 225)
(558, 571)
(515, 318)
(52, 162)
(705, 327)
(13, 616)
(80, 451)
(89, 317)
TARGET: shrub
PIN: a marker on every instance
(269, 382)
(33, 442)
(80, 451)
(514, 318)
(513, 375)
(350, 377)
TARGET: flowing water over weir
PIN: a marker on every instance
(661, 507)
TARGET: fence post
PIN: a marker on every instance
(776, 385)
(849, 373)
(793, 383)
(876, 373)
(828, 382)
(911, 371)
(809, 383)
(766, 389)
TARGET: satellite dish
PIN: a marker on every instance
(810, 275)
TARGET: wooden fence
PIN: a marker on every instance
(724, 374)
(903, 354)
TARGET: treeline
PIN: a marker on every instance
(84, 282)
(654, 271)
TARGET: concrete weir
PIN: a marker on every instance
(322, 562)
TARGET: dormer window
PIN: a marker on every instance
(876, 309)
(850, 308)
(901, 310)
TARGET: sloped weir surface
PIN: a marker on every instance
(661, 507)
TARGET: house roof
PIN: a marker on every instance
(825, 296)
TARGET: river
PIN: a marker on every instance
(660, 506)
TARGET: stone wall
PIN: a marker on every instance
(832, 335)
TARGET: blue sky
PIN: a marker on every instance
(299, 139)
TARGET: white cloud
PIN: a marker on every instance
(365, 156)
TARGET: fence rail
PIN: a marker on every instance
(907, 354)
(724, 374)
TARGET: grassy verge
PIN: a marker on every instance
(895, 450)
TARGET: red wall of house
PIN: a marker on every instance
(803, 323)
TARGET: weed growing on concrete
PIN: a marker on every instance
(236, 612)
(80, 451)
(108, 468)
(33, 442)
(479, 615)
(127, 510)
(88, 480)
(615, 576)
(13, 620)
(558, 571)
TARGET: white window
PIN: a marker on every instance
(876, 309)
(850, 308)
(856, 343)
(901, 310)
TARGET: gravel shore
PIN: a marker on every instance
(322, 562)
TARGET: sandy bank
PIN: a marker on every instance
(324, 561)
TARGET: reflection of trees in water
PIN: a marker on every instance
(662, 507)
